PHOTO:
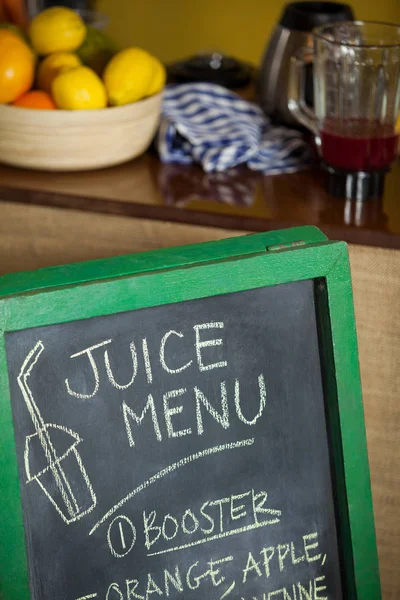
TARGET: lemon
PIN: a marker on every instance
(128, 76)
(79, 89)
(56, 29)
(159, 78)
(52, 65)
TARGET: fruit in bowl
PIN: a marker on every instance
(71, 140)
(79, 89)
(35, 99)
(53, 65)
(56, 29)
(131, 75)
(70, 99)
(97, 49)
(17, 66)
(76, 65)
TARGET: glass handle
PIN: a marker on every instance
(297, 79)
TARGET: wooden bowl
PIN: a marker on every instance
(62, 140)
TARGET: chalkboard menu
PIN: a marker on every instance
(185, 445)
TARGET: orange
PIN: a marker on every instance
(35, 99)
(17, 67)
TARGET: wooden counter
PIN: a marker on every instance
(239, 200)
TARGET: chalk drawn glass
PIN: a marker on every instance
(51, 456)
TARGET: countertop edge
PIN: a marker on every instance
(352, 235)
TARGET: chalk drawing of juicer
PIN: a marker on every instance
(51, 456)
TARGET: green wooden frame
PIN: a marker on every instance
(74, 292)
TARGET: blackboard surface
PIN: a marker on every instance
(221, 488)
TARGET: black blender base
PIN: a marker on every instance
(354, 185)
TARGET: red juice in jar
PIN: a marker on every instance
(358, 145)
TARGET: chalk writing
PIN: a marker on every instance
(218, 573)
(202, 401)
(110, 373)
(89, 352)
(281, 557)
(218, 515)
(208, 344)
(130, 414)
(301, 590)
(127, 536)
(199, 346)
(162, 353)
(202, 404)
(169, 412)
(228, 591)
(135, 417)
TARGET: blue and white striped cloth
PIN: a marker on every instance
(207, 124)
